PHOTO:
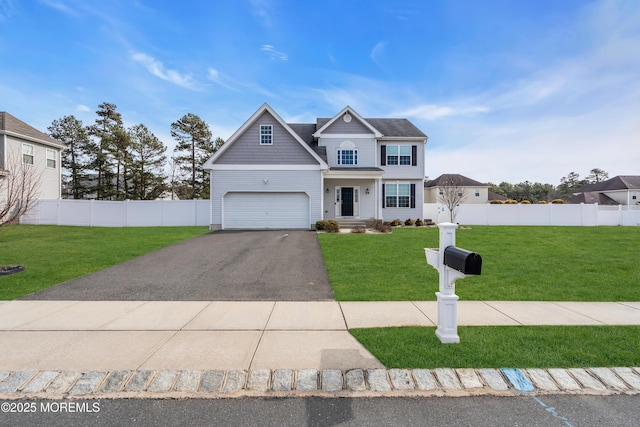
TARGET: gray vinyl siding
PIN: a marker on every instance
(367, 201)
(223, 181)
(389, 214)
(365, 146)
(247, 150)
(354, 126)
(50, 186)
(404, 171)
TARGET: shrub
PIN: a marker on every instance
(496, 202)
(395, 222)
(542, 202)
(419, 222)
(328, 225)
(386, 228)
(374, 223)
(511, 202)
(557, 201)
(430, 223)
(409, 222)
(359, 229)
(332, 226)
(525, 202)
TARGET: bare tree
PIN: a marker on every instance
(451, 193)
(19, 184)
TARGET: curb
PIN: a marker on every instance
(304, 382)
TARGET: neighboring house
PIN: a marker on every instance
(619, 190)
(474, 191)
(24, 145)
(272, 174)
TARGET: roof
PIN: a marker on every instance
(620, 182)
(495, 196)
(453, 179)
(387, 127)
(591, 197)
(11, 125)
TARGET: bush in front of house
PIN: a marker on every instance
(496, 202)
(409, 222)
(396, 222)
(511, 202)
(328, 225)
(419, 222)
(525, 202)
(557, 202)
(359, 229)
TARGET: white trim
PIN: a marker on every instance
(265, 107)
(401, 139)
(349, 110)
(333, 174)
(32, 139)
(347, 135)
(265, 167)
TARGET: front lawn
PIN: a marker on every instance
(54, 254)
(505, 346)
(519, 263)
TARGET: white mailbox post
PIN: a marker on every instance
(447, 330)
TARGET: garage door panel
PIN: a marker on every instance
(266, 210)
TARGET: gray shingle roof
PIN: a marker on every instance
(620, 182)
(387, 127)
(8, 123)
(453, 178)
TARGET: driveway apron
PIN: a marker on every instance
(221, 266)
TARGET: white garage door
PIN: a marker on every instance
(266, 210)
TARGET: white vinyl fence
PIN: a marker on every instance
(130, 213)
(549, 214)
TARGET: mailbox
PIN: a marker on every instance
(464, 261)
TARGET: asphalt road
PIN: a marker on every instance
(482, 411)
(220, 266)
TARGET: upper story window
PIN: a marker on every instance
(399, 155)
(266, 134)
(477, 192)
(51, 158)
(347, 157)
(27, 154)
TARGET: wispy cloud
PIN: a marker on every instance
(234, 85)
(435, 112)
(272, 53)
(6, 9)
(260, 8)
(83, 108)
(376, 52)
(156, 68)
(60, 7)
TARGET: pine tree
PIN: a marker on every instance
(146, 164)
(106, 124)
(193, 148)
(76, 162)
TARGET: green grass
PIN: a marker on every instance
(505, 346)
(519, 263)
(54, 254)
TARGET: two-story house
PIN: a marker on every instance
(273, 174)
(23, 146)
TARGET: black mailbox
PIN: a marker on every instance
(464, 261)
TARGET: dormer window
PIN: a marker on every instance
(347, 157)
(347, 154)
(266, 134)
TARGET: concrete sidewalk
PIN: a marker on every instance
(206, 335)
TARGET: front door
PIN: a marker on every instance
(347, 201)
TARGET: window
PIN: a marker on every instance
(397, 195)
(266, 134)
(51, 158)
(634, 195)
(477, 193)
(403, 155)
(27, 154)
(347, 157)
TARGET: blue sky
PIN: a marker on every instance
(507, 90)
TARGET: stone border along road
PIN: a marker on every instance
(328, 383)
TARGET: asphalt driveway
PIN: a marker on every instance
(220, 266)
